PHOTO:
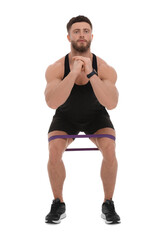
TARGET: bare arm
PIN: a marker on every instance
(57, 91)
(104, 86)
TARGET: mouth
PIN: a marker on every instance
(81, 41)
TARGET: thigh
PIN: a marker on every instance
(100, 125)
(102, 142)
(60, 144)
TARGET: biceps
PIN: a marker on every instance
(110, 75)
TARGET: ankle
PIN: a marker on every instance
(60, 198)
(110, 199)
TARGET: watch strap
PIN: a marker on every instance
(91, 74)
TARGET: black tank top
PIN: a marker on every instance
(82, 105)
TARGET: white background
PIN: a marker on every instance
(126, 36)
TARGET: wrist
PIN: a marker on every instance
(93, 72)
(74, 73)
(73, 76)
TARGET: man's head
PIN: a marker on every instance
(80, 33)
(79, 18)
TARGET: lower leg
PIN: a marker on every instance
(108, 176)
(57, 174)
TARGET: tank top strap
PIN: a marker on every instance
(94, 62)
(66, 66)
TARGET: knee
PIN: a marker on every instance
(107, 149)
(55, 153)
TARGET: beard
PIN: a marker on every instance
(81, 48)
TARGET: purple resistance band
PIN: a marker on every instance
(82, 136)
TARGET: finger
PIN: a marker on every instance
(78, 58)
(82, 64)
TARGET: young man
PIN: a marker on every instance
(80, 86)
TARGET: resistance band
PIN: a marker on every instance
(82, 136)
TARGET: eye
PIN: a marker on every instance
(86, 31)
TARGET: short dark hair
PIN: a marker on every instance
(79, 18)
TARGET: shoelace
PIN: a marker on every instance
(110, 207)
(54, 206)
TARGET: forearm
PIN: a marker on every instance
(106, 92)
(57, 96)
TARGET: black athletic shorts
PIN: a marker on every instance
(90, 127)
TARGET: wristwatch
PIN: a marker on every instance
(91, 74)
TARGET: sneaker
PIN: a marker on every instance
(57, 212)
(109, 213)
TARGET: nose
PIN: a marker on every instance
(81, 34)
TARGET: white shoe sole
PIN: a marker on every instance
(58, 221)
(104, 217)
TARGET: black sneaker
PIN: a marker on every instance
(57, 212)
(109, 213)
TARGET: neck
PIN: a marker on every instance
(83, 54)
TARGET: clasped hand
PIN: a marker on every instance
(85, 63)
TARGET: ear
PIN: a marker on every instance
(92, 36)
(68, 37)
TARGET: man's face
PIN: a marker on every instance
(80, 36)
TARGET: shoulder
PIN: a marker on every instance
(105, 71)
(55, 69)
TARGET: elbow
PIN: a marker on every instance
(113, 103)
(50, 104)
(111, 106)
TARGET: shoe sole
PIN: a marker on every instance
(109, 222)
(57, 221)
